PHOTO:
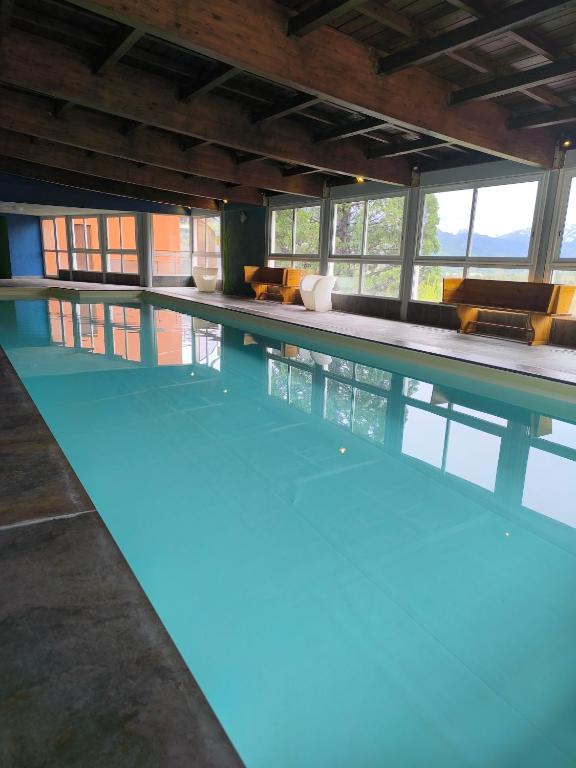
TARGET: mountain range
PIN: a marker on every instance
(514, 245)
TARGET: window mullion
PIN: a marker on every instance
(364, 228)
(471, 226)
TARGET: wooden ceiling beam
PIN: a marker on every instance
(196, 87)
(545, 119)
(320, 13)
(125, 171)
(471, 59)
(524, 12)
(351, 128)
(120, 48)
(6, 9)
(30, 115)
(529, 78)
(299, 171)
(330, 65)
(287, 107)
(408, 147)
(66, 178)
(45, 66)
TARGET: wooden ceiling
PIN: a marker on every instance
(229, 99)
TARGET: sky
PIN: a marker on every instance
(499, 210)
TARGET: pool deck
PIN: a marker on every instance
(557, 364)
(89, 676)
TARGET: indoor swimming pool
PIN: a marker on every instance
(362, 565)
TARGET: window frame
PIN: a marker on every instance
(154, 250)
(529, 262)
(554, 262)
(293, 257)
(88, 251)
(107, 250)
(365, 259)
(57, 250)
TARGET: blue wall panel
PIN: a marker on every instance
(25, 245)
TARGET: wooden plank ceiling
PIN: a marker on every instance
(232, 99)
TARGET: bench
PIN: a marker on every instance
(275, 283)
(522, 310)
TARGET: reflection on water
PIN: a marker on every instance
(450, 436)
(360, 567)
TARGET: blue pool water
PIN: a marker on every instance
(361, 568)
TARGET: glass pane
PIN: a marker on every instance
(348, 274)
(365, 374)
(171, 263)
(309, 266)
(369, 415)
(338, 406)
(385, 220)
(568, 248)
(503, 220)
(200, 235)
(445, 223)
(278, 379)
(113, 232)
(85, 233)
(80, 261)
(170, 233)
(63, 261)
(495, 273)
(130, 263)
(128, 230)
(300, 393)
(280, 263)
(281, 239)
(423, 436)
(114, 261)
(550, 486)
(348, 226)
(87, 262)
(50, 263)
(213, 234)
(427, 281)
(48, 235)
(473, 454)
(94, 262)
(307, 230)
(381, 280)
(61, 236)
(342, 367)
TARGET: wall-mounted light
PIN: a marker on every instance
(360, 179)
(566, 142)
(225, 201)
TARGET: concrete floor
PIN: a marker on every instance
(89, 677)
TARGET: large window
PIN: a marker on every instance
(86, 254)
(295, 237)
(366, 246)
(121, 253)
(54, 245)
(562, 267)
(485, 231)
(206, 241)
(171, 245)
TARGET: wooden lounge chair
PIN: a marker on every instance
(523, 311)
(275, 283)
